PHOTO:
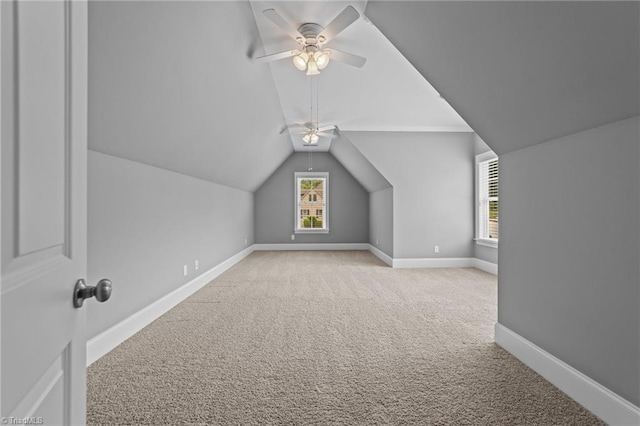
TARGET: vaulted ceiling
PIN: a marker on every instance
(172, 84)
(386, 94)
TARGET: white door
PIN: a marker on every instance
(44, 184)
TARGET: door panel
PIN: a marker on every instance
(44, 148)
(46, 398)
(41, 124)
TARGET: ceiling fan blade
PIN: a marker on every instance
(326, 128)
(275, 17)
(327, 135)
(347, 17)
(300, 126)
(347, 58)
(276, 56)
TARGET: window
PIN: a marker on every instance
(311, 192)
(487, 199)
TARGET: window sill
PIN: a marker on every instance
(486, 242)
(310, 231)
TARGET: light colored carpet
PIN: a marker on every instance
(326, 338)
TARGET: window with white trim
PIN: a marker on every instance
(311, 206)
(487, 216)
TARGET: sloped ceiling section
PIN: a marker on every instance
(172, 85)
(358, 165)
(521, 73)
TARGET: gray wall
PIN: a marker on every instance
(432, 178)
(569, 249)
(381, 220)
(145, 223)
(348, 204)
(358, 165)
(489, 254)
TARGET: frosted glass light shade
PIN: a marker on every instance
(322, 59)
(312, 67)
(300, 61)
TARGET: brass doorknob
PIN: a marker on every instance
(102, 292)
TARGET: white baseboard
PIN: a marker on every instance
(602, 402)
(450, 262)
(318, 246)
(381, 255)
(104, 342)
(483, 265)
(444, 262)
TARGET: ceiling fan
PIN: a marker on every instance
(313, 133)
(311, 56)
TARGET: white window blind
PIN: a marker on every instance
(488, 199)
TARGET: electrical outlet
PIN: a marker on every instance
(293, 236)
(436, 249)
(376, 241)
(185, 270)
(197, 265)
(246, 241)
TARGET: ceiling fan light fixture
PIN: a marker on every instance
(311, 38)
(300, 61)
(322, 59)
(311, 138)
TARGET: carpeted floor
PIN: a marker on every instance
(326, 338)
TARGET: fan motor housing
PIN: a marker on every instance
(310, 32)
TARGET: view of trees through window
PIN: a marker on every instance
(492, 179)
(310, 203)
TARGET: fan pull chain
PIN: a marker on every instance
(311, 99)
(311, 118)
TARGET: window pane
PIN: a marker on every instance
(487, 207)
(493, 178)
(493, 219)
(493, 187)
(311, 196)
